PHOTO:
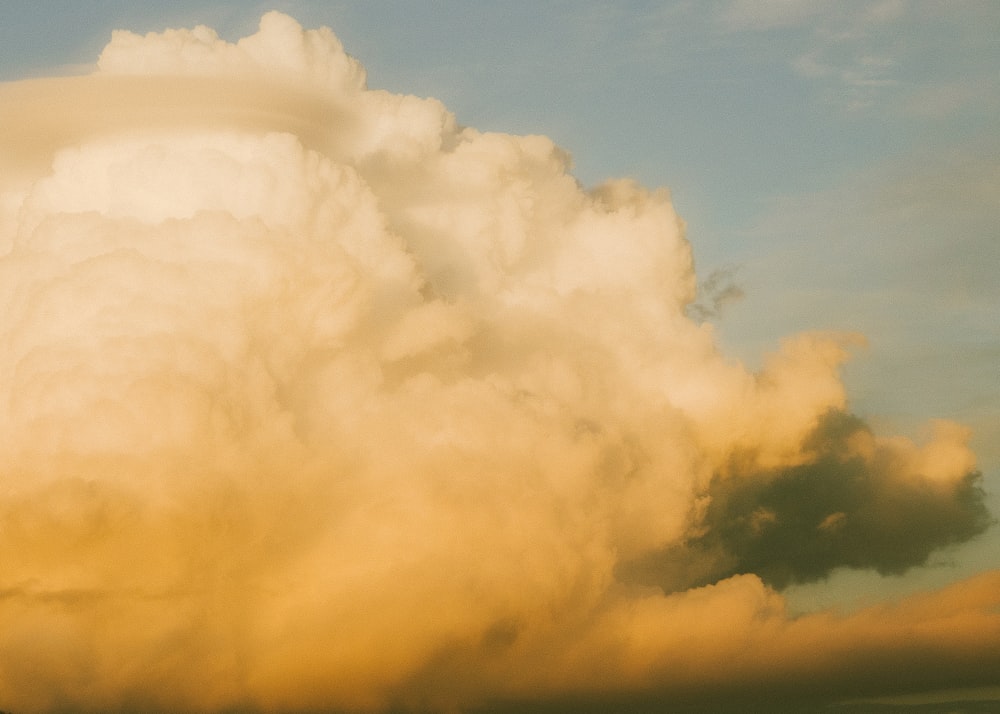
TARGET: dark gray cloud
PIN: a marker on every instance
(840, 509)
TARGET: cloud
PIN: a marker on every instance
(885, 55)
(717, 291)
(841, 47)
(765, 15)
(313, 399)
(856, 502)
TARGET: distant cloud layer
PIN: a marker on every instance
(312, 399)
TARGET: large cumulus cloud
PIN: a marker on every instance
(311, 398)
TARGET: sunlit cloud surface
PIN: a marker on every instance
(312, 399)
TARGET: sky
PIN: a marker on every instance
(500, 357)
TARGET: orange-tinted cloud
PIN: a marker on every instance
(311, 399)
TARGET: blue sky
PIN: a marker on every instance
(840, 159)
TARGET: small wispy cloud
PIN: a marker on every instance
(845, 48)
(715, 293)
(758, 15)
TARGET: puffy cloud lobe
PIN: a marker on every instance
(281, 49)
(858, 502)
(311, 398)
